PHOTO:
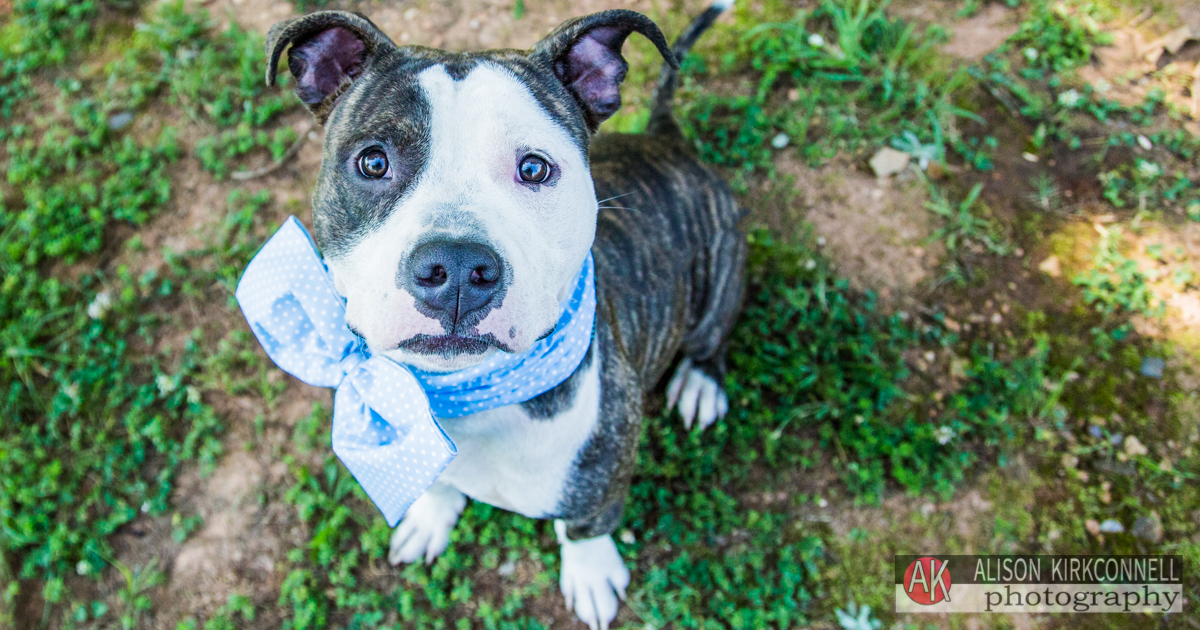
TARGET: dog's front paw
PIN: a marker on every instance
(593, 577)
(697, 396)
(425, 528)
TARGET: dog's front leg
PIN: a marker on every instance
(593, 577)
(425, 529)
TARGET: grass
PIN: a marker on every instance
(98, 414)
(835, 80)
(841, 404)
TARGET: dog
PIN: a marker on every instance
(458, 197)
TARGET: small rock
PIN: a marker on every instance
(1070, 98)
(100, 305)
(889, 161)
(1112, 526)
(507, 568)
(1148, 528)
(1029, 157)
(1134, 447)
(1176, 39)
(780, 141)
(958, 367)
(1093, 526)
(119, 121)
(1051, 267)
(1152, 367)
(1145, 143)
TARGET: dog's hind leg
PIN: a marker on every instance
(718, 278)
(424, 532)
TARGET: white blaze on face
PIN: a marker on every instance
(480, 128)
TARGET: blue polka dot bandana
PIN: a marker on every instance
(384, 425)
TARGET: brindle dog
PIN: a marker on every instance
(460, 193)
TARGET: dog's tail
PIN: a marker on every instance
(662, 120)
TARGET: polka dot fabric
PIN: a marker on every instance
(506, 379)
(384, 425)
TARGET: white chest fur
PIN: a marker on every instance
(518, 463)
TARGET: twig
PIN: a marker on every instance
(1004, 100)
(274, 166)
(1196, 93)
(1141, 17)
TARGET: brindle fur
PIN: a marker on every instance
(670, 263)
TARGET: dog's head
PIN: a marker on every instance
(455, 204)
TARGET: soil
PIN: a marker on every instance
(876, 231)
(981, 33)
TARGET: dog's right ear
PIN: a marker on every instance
(330, 49)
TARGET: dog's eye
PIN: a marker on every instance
(534, 170)
(373, 164)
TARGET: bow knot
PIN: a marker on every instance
(384, 429)
(354, 358)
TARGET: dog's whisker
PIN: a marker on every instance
(616, 197)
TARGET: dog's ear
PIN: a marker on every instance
(585, 54)
(329, 50)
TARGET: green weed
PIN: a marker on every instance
(818, 356)
(842, 78)
(1115, 284)
(965, 230)
(1056, 39)
(39, 34)
(216, 78)
(97, 415)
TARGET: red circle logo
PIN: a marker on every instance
(927, 581)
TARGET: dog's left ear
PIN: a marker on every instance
(585, 54)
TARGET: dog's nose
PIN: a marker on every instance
(454, 278)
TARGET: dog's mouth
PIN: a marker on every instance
(447, 346)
